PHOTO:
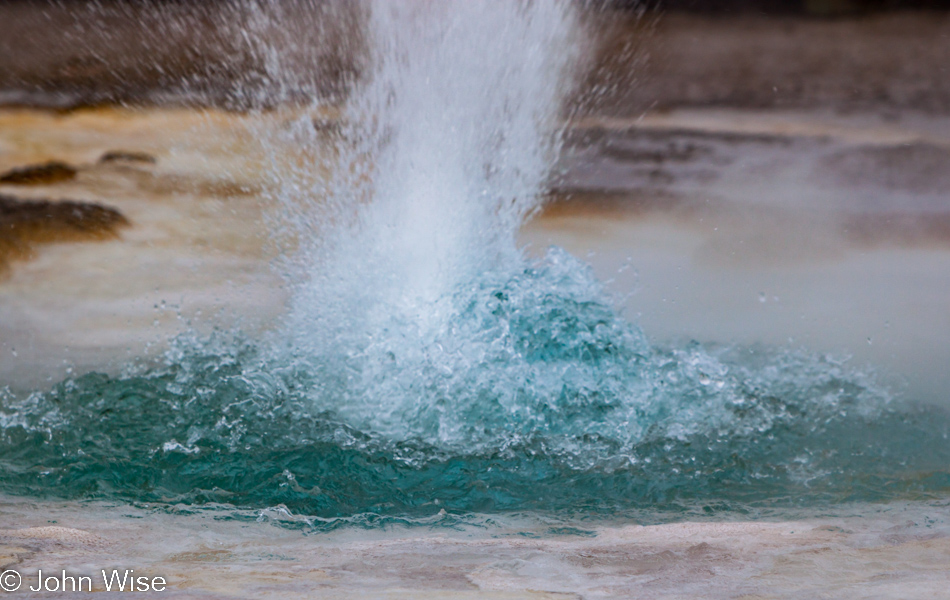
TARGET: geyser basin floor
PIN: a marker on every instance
(196, 245)
(899, 551)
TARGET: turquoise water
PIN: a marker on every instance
(426, 364)
(568, 410)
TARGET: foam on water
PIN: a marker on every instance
(427, 363)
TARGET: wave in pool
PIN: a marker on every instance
(554, 404)
(427, 364)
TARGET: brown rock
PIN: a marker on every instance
(124, 156)
(26, 223)
(51, 172)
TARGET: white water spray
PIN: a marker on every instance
(447, 146)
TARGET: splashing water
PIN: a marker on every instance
(426, 363)
(449, 145)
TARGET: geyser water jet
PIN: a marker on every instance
(447, 148)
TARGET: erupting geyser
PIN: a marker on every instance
(426, 363)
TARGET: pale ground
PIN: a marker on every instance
(738, 228)
(196, 246)
(900, 552)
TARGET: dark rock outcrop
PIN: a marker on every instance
(27, 223)
(51, 172)
(120, 156)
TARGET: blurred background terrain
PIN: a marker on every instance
(846, 54)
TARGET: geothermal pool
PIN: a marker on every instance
(442, 340)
